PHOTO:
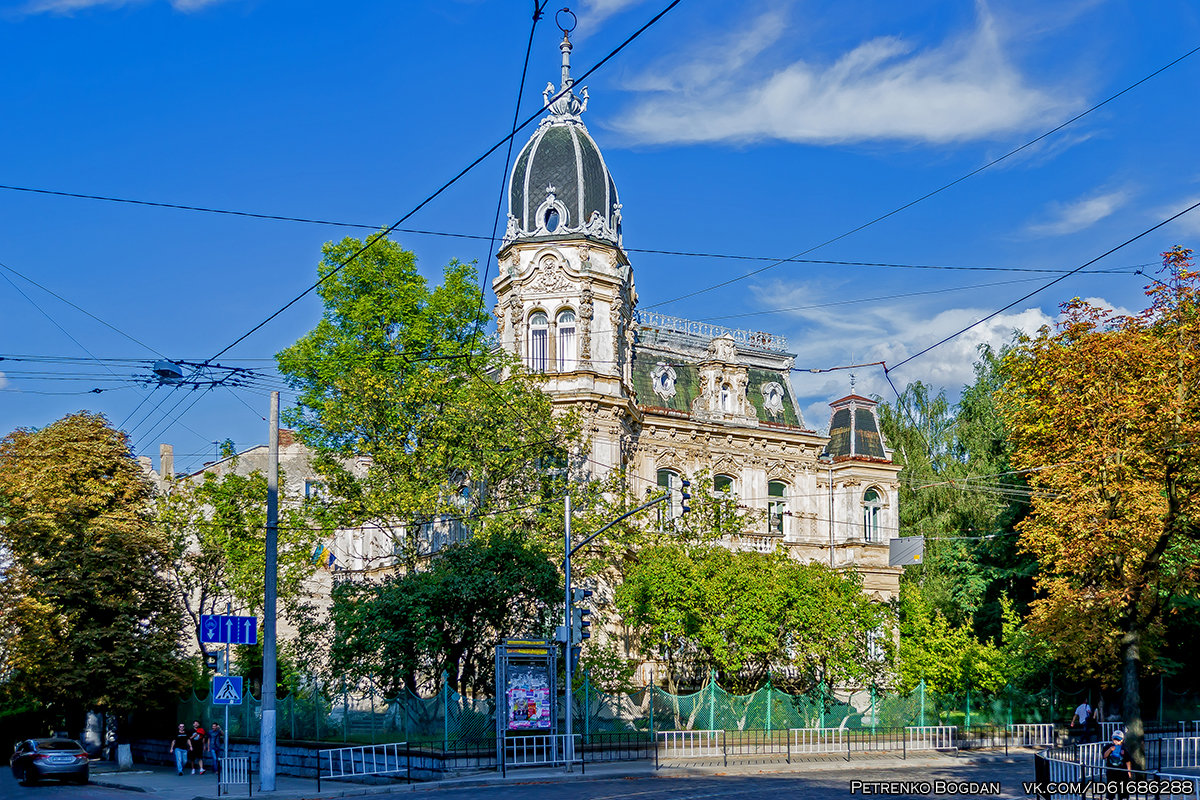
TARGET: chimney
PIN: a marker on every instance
(166, 462)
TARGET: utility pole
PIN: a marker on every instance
(266, 737)
(568, 744)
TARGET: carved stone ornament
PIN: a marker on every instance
(773, 398)
(664, 380)
(549, 278)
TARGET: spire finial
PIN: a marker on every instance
(852, 379)
(565, 44)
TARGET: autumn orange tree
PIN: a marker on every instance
(1103, 411)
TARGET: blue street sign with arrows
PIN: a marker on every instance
(225, 629)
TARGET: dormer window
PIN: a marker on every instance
(726, 397)
(773, 398)
(551, 220)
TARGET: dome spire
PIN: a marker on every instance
(565, 47)
(565, 103)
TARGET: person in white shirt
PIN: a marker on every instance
(1081, 714)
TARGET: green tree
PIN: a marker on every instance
(412, 412)
(405, 630)
(216, 530)
(959, 491)
(701, 607)
(949, 658)
(91, 622)
(1104, 413)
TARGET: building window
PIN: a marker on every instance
(872, 505)
(668, 480)
(776, 506)
(539, 333)
(726, 397)
(314, 489)
(566, 340)
(723, 483)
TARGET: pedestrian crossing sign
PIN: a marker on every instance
(227, 690)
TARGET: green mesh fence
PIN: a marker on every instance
(447, 719)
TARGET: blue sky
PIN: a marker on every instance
(750, 129)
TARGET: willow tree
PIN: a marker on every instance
(1104, 412)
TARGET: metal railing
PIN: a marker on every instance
(234, 771)
(931, 737)
(1031, 735)
(1078, 773)
(817, 741)
(689, 745)
(541, 750)
(364, 761)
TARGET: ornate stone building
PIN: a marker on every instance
(665, 398)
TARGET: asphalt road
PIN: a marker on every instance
(810, 786)
(815, 784)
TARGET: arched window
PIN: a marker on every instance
(552, 220)
(776, 506)
(872, 505)
(566, 340)
(668, 480)
(726, 397)
(723, 483)
(539, 332)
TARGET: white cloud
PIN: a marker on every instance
(68, 7)
(1064, 218)
(883, 89)
(594, 12)
(1189, 223)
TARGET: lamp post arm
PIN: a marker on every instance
(608, 525)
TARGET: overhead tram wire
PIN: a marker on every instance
(937, 191)
(1023, 298)
(538, 10)
(430, 198)
(481, 237)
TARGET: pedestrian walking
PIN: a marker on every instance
(216, 741)
(1118, 767)
(181, 746)
(199, 739)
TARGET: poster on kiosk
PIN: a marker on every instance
(528, 697)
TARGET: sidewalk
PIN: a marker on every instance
(164, 784)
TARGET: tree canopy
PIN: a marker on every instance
(404, 631)
(1104, 414)
(90, 621)
(216, 533)
(399, 376)
(744, 614)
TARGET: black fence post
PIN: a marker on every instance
(724, 752)
(788, 739)
(407, 761)
(847, 745)
(318, 759)
(655, 751)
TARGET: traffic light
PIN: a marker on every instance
(685, 495)
(579, 621)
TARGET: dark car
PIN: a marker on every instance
(64, 759)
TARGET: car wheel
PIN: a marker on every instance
(30, 777)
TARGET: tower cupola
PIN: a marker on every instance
(560, 187)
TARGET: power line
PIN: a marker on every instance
(444, 186)
(937, 191)
(1042, 288)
